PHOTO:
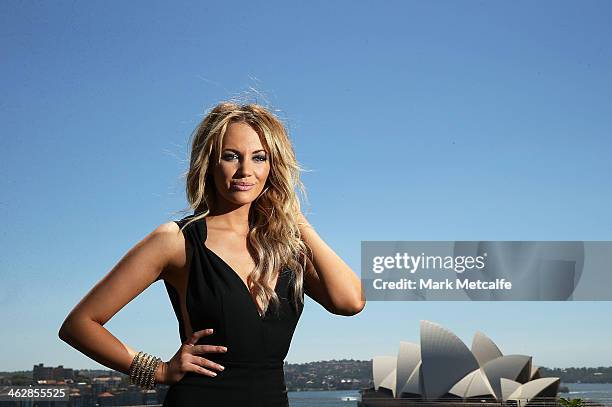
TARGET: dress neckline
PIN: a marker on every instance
(245, 288)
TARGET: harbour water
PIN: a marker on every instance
(594, 391)
(333, 398)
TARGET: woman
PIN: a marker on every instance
(236, 271)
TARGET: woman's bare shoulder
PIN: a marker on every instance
(175, 248)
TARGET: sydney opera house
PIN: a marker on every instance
(443, 370)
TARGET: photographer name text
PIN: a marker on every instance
(447, 284)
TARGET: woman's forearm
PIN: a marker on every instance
(96, 342)
(342, 284)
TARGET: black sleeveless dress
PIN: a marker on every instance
(216, 297)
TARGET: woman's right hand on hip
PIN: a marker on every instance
(187, 359)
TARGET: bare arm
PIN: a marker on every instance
(144, 264)
(328, 279)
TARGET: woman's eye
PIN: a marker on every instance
(260, 158)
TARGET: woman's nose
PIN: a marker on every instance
(245, 167)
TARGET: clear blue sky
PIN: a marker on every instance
(444, 120)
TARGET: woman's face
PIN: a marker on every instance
(243, 161)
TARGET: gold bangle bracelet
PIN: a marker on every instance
(142, 370)
(134, 367)
(146, 381)
(155, 364)
(138, 368)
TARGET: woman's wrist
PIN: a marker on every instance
(160, 373)
(302, 221)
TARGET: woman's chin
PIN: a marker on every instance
(242, 200)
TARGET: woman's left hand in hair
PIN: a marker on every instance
(301, 220)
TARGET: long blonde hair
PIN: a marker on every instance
(274, 238)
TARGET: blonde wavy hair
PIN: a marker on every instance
(274, 239)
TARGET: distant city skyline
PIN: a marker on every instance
(105, 369)
(415, 120)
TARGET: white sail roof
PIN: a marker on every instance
(513, 367)
(508, 387)
(445, 359)
(382, 366)
(480, 386)
(461, 387)
(533, 388)
(408, 358)
(389, 382)
(414, 384)
(484, 349)
(442, 365)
